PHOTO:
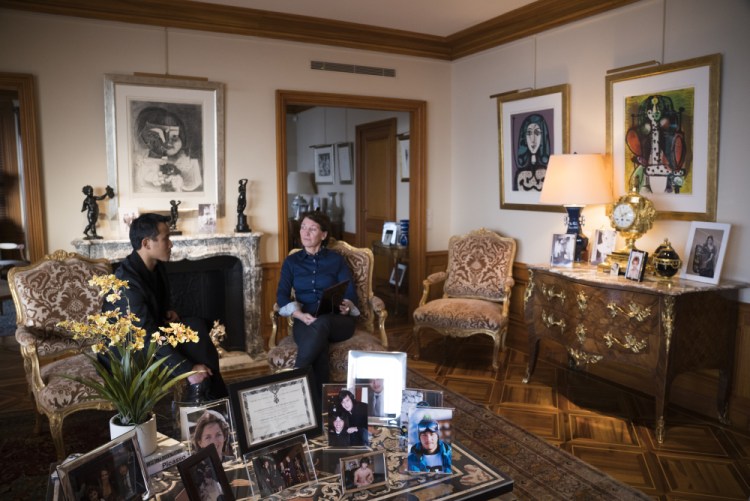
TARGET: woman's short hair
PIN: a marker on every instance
(323, 221)
(210, 417)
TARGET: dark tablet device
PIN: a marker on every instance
(332, 297)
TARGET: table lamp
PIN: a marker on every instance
(297, 183)
(575, 181)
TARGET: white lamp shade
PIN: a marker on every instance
(577, 180)
(300, 182)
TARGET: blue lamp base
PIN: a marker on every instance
(574, 228)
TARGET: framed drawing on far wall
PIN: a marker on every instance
(165, 139)
(403, 156)
(663, 135)
(323, 164)
(533, 125)
(344, 161)
(704, 252)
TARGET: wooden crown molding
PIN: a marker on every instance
(533, 18)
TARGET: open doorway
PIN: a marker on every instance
(417, 199)
(24, 215)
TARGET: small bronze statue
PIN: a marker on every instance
(174, 215)
(90, 204)
(242, 226)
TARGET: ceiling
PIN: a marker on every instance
(433, 17)
(439, 29)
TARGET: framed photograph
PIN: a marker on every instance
(365, 471)
(403, 156)
(397, 275)
(207, 218)
(533, 125)
(115, 470)
(324, 164)
(345, 415)
(390, 232)
(125, 217)
(278, 467)
(636, 265)
(602, 245)
(385, 374)
(411, 398)
(429, 441)
(704, 253)
(663, 133)
(614, 270)
(344, 162)
(204, 477)
(563, 250)
(272, 408)
(165, 139)
(210, 424)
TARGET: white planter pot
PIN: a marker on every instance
(145, 432)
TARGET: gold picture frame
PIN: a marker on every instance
(682, 99)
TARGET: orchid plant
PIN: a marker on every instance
(136, 380)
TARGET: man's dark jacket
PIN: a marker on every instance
(148, 298)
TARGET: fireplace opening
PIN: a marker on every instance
(211, 288)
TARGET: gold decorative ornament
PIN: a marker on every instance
(631, 215)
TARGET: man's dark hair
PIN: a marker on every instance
(145, 226)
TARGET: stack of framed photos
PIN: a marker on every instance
(257, 442)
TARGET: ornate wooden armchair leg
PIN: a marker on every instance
(37, 421)
(55, 428)
(416, 343)
(496, 353)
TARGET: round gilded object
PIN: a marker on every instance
(666, 261)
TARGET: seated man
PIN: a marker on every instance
(431, 453)
(148, 297)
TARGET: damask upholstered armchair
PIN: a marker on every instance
(476, 292)
(369, 334)
(44, 293)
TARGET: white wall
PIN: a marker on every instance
(580, 55)
(70, 56)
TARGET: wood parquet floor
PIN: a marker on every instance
(604, 425)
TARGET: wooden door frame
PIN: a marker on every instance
(24, 86)
(418, 164)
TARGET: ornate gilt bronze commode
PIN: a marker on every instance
(663, 328)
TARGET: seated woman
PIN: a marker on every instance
(309, 272)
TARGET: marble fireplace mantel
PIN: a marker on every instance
(243, 246)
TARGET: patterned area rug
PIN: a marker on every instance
(540, 471)
(7, 318)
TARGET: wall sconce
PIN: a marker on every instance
(298, 183)
(575, 181)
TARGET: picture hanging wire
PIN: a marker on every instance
(500, 94)
(653, 62)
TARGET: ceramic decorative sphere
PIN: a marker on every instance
(666, 260)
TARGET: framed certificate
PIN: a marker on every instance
(273, 408)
